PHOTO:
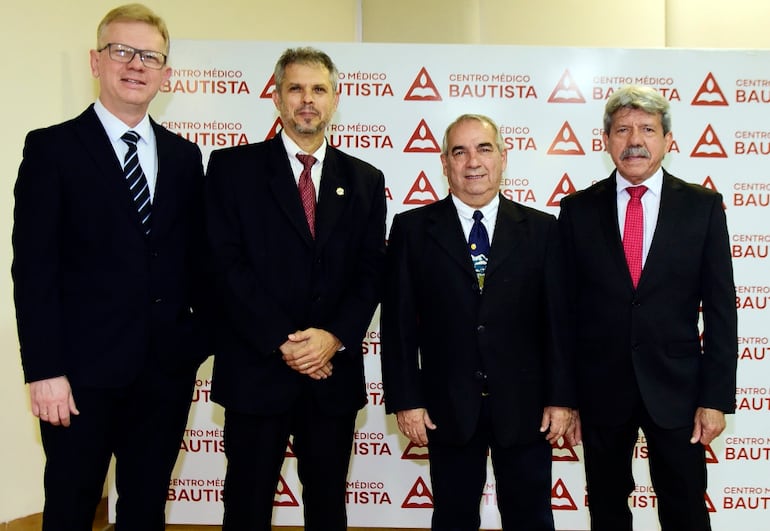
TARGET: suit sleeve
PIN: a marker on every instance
(35, 268)
(240, 295)
(363, 291)
(720, 317)
(561, 390)
(399, 328)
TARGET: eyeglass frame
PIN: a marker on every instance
(136, 52)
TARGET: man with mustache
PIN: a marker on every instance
(645, 253)
(297, 230)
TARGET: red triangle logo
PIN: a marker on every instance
(709, 93)
(563, 188)
(562, 451)
(708, 183)
(566, 91)
(284, 497)
(566, 142)
(267, 92)
(561, 500)
(422, 192)
(415, 451)
(419, 497)
(709, 503)
(709, 146)
(423, 88)
(277, 126)
(422, 140)
(711, 457)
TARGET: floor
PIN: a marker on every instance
(33, 523)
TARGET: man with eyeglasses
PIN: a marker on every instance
(108, 266)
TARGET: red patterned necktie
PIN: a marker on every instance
(307, 190)
(633, 232)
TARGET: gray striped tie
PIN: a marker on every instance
(137, 182)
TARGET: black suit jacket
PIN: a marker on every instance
(273, 278)
(96, 299)
(649, 336)
(439, 334)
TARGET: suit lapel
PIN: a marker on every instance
(96, 144)
(509, 235)
(332, 196)
(607, 207)
(668, 216)
(446, 230)
(166, 183)
(284, 188)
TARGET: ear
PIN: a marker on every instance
(94, 61)
(166, 74)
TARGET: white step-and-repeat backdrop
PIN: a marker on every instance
(396, 101)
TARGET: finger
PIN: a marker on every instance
(72, 406)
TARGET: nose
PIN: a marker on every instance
(473, 158)
(134, 60)
(636, 137)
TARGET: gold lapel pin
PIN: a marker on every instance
(340, 191)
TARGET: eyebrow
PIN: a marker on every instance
(481, 145)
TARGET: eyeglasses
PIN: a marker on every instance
(125, 54)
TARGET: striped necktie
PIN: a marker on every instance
(137, 182)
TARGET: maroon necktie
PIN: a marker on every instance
(307, 190)
(633, 232)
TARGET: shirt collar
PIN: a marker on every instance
(292, 149)
(654, 183)
(489, 210)
(115, 127)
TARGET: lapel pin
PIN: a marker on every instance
(340, 191)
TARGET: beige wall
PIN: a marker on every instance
(45, 43)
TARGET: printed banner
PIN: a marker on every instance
(395, 102)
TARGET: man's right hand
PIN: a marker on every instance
(52, 400)
(414, 423)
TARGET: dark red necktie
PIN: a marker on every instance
(307, 190)
(633, 232)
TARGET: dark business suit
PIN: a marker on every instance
(112, 310)
(639, 358)
(508, 341)
(275, 279)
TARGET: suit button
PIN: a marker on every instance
(479, 375)
(154, 254)
(156, 301)
(481, 329)
(635, 304)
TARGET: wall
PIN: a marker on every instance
(44, 52)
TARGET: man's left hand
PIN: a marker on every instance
(309, 351)
(556, 420)
(709, 423)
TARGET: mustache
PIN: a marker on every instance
(635, 151)
(307, 108)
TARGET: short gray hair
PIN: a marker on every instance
(479, 118)
(640, 97)
(304, 56)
